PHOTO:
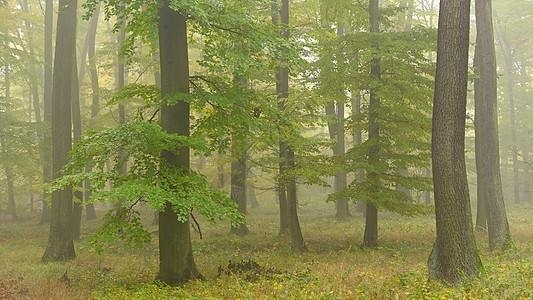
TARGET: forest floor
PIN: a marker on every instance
(335, 268)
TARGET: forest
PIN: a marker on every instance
(266, 149)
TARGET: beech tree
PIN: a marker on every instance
(490, 192)
(60, 242)
(454, 255)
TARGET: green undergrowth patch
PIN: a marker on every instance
(261, 265)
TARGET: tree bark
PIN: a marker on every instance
(371, 223)
(95, 107)
(60, 245)
(238, 182)
(297, 240)
(176, 263)
(77, 208)
(487, 141)
(454, 255)
(47, 101)
(282, 90)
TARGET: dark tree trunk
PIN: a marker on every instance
(487, 142)
(238, 182)
(282, 90)
(47, 101)
(297, 240)
(371, 224)
(176, 263)
(60, 245)
(95, 107)
(454, 255)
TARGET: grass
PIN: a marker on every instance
(335, 268)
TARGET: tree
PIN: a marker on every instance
(60, 245)
(486, 126)
(371, 217)
(454, 253)
(47, 102)
(176, 264)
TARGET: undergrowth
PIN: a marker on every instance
(261, 265)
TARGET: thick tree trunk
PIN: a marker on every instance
(251, 197)
(488, 155)
(238, 182)
(47, 101)
(176, 263)
(454, 255)
(371, 224)
(60, 245)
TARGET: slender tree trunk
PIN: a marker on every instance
(60, 245)
(77, 208)
(95, 107)
(358, 139)
(509, 69)
(220, 173)
(47, 101)
(371, 223)
(454, 255)
(282, 93)
(250, 195)
(481, 214)
(176, 263)
(488, 155)
(297, 242)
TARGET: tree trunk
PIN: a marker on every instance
(176, 263)
(47, 101)
(76, 121)
(238, 182)
(358, 139)
(95, 107)
(250, 195)
(60, 245)
(371, 224)
(297, 240)
(454, 255)
(509, 69)
(282, 90)
(481, 214)
(488, 155)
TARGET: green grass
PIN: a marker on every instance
(335, 268)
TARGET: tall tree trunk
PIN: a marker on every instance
(60, 245)
(176, 263)
(481, 213)
(454, 255)
(371, 220)
(282, 93)
(358, 139)
(77, 208)
(488, 155)
(297, 242)
(509, 69)
(47, 101)
(95, 107)
(238, 181)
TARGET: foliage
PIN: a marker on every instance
(148, 179)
